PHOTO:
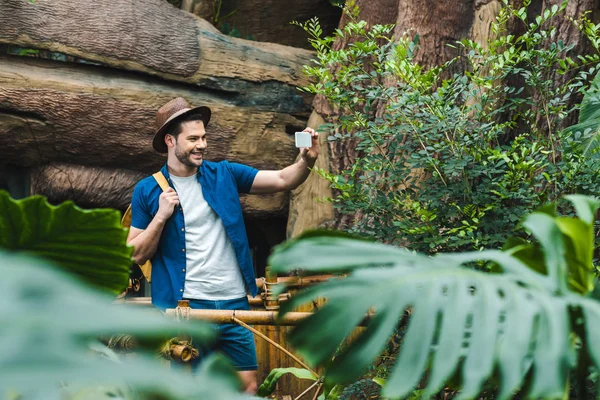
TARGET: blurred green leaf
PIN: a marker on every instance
(48, 321)
(463, 322)
(270, 382)
(88, 243)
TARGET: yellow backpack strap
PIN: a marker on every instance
(162, 181)
(126, 222)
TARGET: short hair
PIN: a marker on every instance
(176, 128)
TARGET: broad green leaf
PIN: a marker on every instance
(552, 352)
(47, 321)
(334, 254)
(335, 392)
(516, 339)
(88, 243)
(579, 253)
(546, 231)
(585, 207)
(449, 349)
(463, 322)
(589, 119)
(267, 387)
(480, 359)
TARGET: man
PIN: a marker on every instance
(194, 231)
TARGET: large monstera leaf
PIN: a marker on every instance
(88, 243)
(515, 324)
(48, 320)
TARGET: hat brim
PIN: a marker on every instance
(158, 143)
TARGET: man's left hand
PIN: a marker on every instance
(310, 154)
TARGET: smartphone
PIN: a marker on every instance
(303, 139)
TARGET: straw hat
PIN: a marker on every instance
(171, 112)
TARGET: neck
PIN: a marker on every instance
(178, 169)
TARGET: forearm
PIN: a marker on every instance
(295, 174)
(146, 243)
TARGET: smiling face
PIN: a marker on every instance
(188, 146)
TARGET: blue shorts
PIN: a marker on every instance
(233, 340)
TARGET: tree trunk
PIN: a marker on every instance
(305, 213)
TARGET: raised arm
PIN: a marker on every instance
(290, 177)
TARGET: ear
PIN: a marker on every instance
(169, 140)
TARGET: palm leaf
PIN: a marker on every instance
(463, 322)
(88, 243)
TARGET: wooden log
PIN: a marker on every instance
(90, 116)
(153, 37)
(92, 187)
(88, 187)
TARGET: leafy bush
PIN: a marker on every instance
(524, 326)
(452, 163)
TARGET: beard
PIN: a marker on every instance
(185, 157)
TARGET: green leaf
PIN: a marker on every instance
(589, 118)
(267, 387)
(463, 322)
(334, 253)
(546, 230)
(585, 207)
(579, 253)
(88, 243)
(48, 321)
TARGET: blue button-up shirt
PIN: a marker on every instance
(221, 182)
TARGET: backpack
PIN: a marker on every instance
(126, 222)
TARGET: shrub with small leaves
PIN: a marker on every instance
(452, 163)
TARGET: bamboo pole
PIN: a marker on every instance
(181, 352)
(298, 281)
(275, 344)
(289, 281)
(272, 304)
(249, 317)
(255, 302)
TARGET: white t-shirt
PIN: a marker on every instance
(212, 270)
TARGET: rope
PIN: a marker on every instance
(277, 345)
(317, 392)
(317, 382)
(269, 297)
(182, 313)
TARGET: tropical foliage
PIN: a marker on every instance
(524, 320)
(50, 324)
(88, 243)
(451, 162)
(49, 348)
